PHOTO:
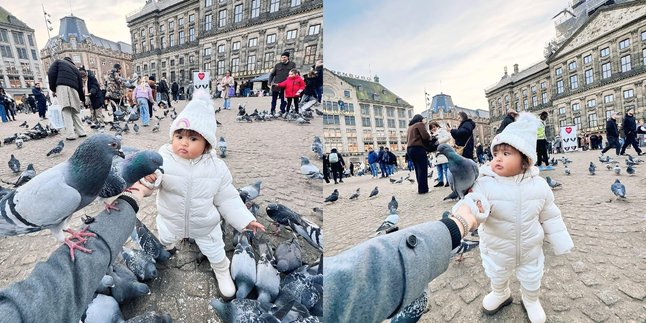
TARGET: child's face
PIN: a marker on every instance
(506, 162)
(188, 146)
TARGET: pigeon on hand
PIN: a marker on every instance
(552, 183)
(61, 190)
(267, 277)
(243, 267)
(56, 150)
(630, 170)
(374, 192)
(566, 170)
(618, 189)
(464, 171)
(390, 222)
(333, 197)
(355, 195)
(310, 170)
(14, 164)
(592, 168)
(125, 172)
(222, 147)
(393, 205)
(617, 169)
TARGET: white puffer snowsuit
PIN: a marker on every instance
(193, 196)
(522, 214)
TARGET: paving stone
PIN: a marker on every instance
(470, 293)
(449, 312)
(578, 267)
(635, 291)
(608, 297)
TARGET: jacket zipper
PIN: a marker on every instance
(188, 200)
(518, 215)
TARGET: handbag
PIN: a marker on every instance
(460, 149)
(232, 91)
(55, 114)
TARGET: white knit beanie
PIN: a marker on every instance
(521, 134)
(198, 115)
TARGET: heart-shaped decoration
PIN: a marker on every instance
(201, 75)
(568, 130)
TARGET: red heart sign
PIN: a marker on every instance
(568, 130)
(201, 77)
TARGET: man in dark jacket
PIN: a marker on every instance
(630, 131)
(373, 160)
(318, 68)
(337, 164)
(612, 134)
(509, 118)
(392, 162)
(164, 90)
(174, 88)
(31, 103)
(277, 75)
(96, 99)
(463, 135)
(39, 100)
(382, 157)
(66, 83)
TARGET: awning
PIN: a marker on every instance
(261, 78)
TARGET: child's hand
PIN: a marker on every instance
(255, 225)
(152, 181)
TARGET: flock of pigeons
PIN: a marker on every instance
(36, 132)
(300, 118)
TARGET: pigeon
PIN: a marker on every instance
(592, 168)
(400, 180)
(617, 169)
(464, 171)
(250, 191)
(608, 166)
(305, 288)
(630, 170)
(333, 197)
(151, 317)
(104, 287)
(267, 277)
(148, 243)
(135, 128)
(282, 215)
(126, 128)
(309, 231)
(390, 222)
(618, 189)
(103, 308)
(552, 183)
(243, 267)
(242, 310)
(413, 311)
(288, 256)
(125, 172)
(140, 263)
(222, 147)
(61, 190)
(19, 142)
(392, 180)
(56, 150)
(355, 195)
(156, 128)
(393, 204)
(452, 196)
(126, 287)
(24, 124)
(465, 245)
(566, 170)
(630, 162)
(374, 192)
(14, 164)
(25, 176)
(310, 170)
(554, 161)
(604, 159)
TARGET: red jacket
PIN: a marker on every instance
(292, 85)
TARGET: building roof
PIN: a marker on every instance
(151, 6)
(443, 103)
(515, 77)
(75, 26)
(6, 18)
(366, 91)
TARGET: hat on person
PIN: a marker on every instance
(512, 111)
(69, 59)
(520, 134)
(116, 66)
(199, 116)
(152, 78)
(285, 53)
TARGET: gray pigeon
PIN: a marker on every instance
(135, 128)
(222, 147)
(156, 127)
(267, 277)
(282, 215)
(56, 150)
(61, 190)
(566, 170)
(413, 311)
(14, 164)
(355, 195)
(25, 176)
(103, 309)
(310, 232)
(618, 189)
(464, 171)
(288, 256)
(617, 169)
(592, 168)
(240, 310)
(141, 264)
(151, 317)
(304, 288)
(630, 170)
(19, 142)
(393, 204)
(552, 183)
(333, 197)
(126, 287)
(148, 243)
(243, 268)
(390, 221)
(250, 191)
(309, 170)
(126, 172)
(104, 287)
(374, 192)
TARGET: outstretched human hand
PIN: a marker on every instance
(254, 226)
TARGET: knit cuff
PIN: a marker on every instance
(454, 230)
(130, 199)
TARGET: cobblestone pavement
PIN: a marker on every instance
(267, 151)
(602, 280)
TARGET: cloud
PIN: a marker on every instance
(462, 45)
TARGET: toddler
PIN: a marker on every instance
(521, 216)
(196, 189)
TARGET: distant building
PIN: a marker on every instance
(596, 66)
(20, 65)
(173, 38)
(95, 53)
(370, 115)
(443, 111)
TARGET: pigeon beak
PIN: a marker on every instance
(120, 153)
(161, 169)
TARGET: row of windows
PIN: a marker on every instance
(5, 51)
(592, 103)
(18, 37)
(274, 5)
(592, 121)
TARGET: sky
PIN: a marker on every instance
(457, 47)
(103, 20)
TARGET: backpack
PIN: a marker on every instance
(333, 158)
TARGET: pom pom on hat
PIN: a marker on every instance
(521, 134)
(199, 116)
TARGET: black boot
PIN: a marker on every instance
(439, 184)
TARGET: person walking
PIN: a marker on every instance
(153, 88)
(164, 90)
(115, 88)
(277, 75)
(463, 135)
(40, 99)
(66, 82)
(93, 95)
(337, 164)
(440, 161)
(541, 143)
(373, 161)
(227, 84)
(629, 126)
(4, 100)
(417, 138)
(142, 94)
(509, 118)
(318, 68)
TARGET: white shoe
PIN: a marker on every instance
(223, 276)
(496, 300)
(532, 305)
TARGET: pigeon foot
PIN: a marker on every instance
(111, 206)
(80, 236)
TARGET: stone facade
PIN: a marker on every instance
(174, 38)
(95, 53)
(369, 116)
(443, 111)
(599, 69)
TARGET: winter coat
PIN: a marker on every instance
(96, 95)
(373, 157)
(417, 135)
(319, 75)
(443, 137)
(629, 126)
(64, 72)
(522, 216)
(163, 87)
(195, 194)
(142, 92)
(392, 159)
(280, 73)
(226, 83)
(114, 89)
(505, 122)
(463, 136)
(293, 86)
(310, 86)
(175, 87)
(40, 99)
(611, 128)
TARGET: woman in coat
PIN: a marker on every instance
(418, 136)
(463, 135)
(226, 83)
(440, 161)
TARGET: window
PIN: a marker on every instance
(365, 122)
(271, 38)
(235, 65)
(587, 59)
(544, 98)
(402, 124)
(180, 21)
(181, 37)
(221, 48)
(207, 51)
(379, 110)
(269, 60)
(208, 22)
(391, 123)
(525, 104)
(349, 121)
(625, 63)
(22, 53)
(191, 34)
(152, 44)
(572, 65)
(253, 42)
(237, 13)
(222, 18)
(314, 30)
(255, 8)
(379, 123)
(577, 122)
(608, 98)
(543, 85)
(151, 31)
(161, 28)
(3, 36)
(310, 54)
(576, 107)
(533, 89)
(18, 38)
(350, 107)
(558, 71)
(143, 33)
(644, 56)
(163, 64)
(191, 18)
(346, 93)
(365, 109)
(629, 93)
(606, 71)
(604, 52)
(208, 3)
(534, 101)
(609, 113)
(171, 39)
(30, 39)
(592, 120)
(251, 62)
(181, 61)
(296, 3)
(162, 42)
(34, 56)
(561, 110)
(235, 46)
(274, 5)
(220, 67)
(562, 123)
(171, 25)
(643, 35)
(524, 93)
(559, 86)
(624, 43)
(390, 112)
(401, 113)
(291, 34)
(574, 82)
(172, 62)
(589, 78)
(591, 103)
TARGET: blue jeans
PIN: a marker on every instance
(143, 110)
(3, 113)
(442, 172)
(227, 103)
(411, 167)
(373, 169)
(391, 169)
